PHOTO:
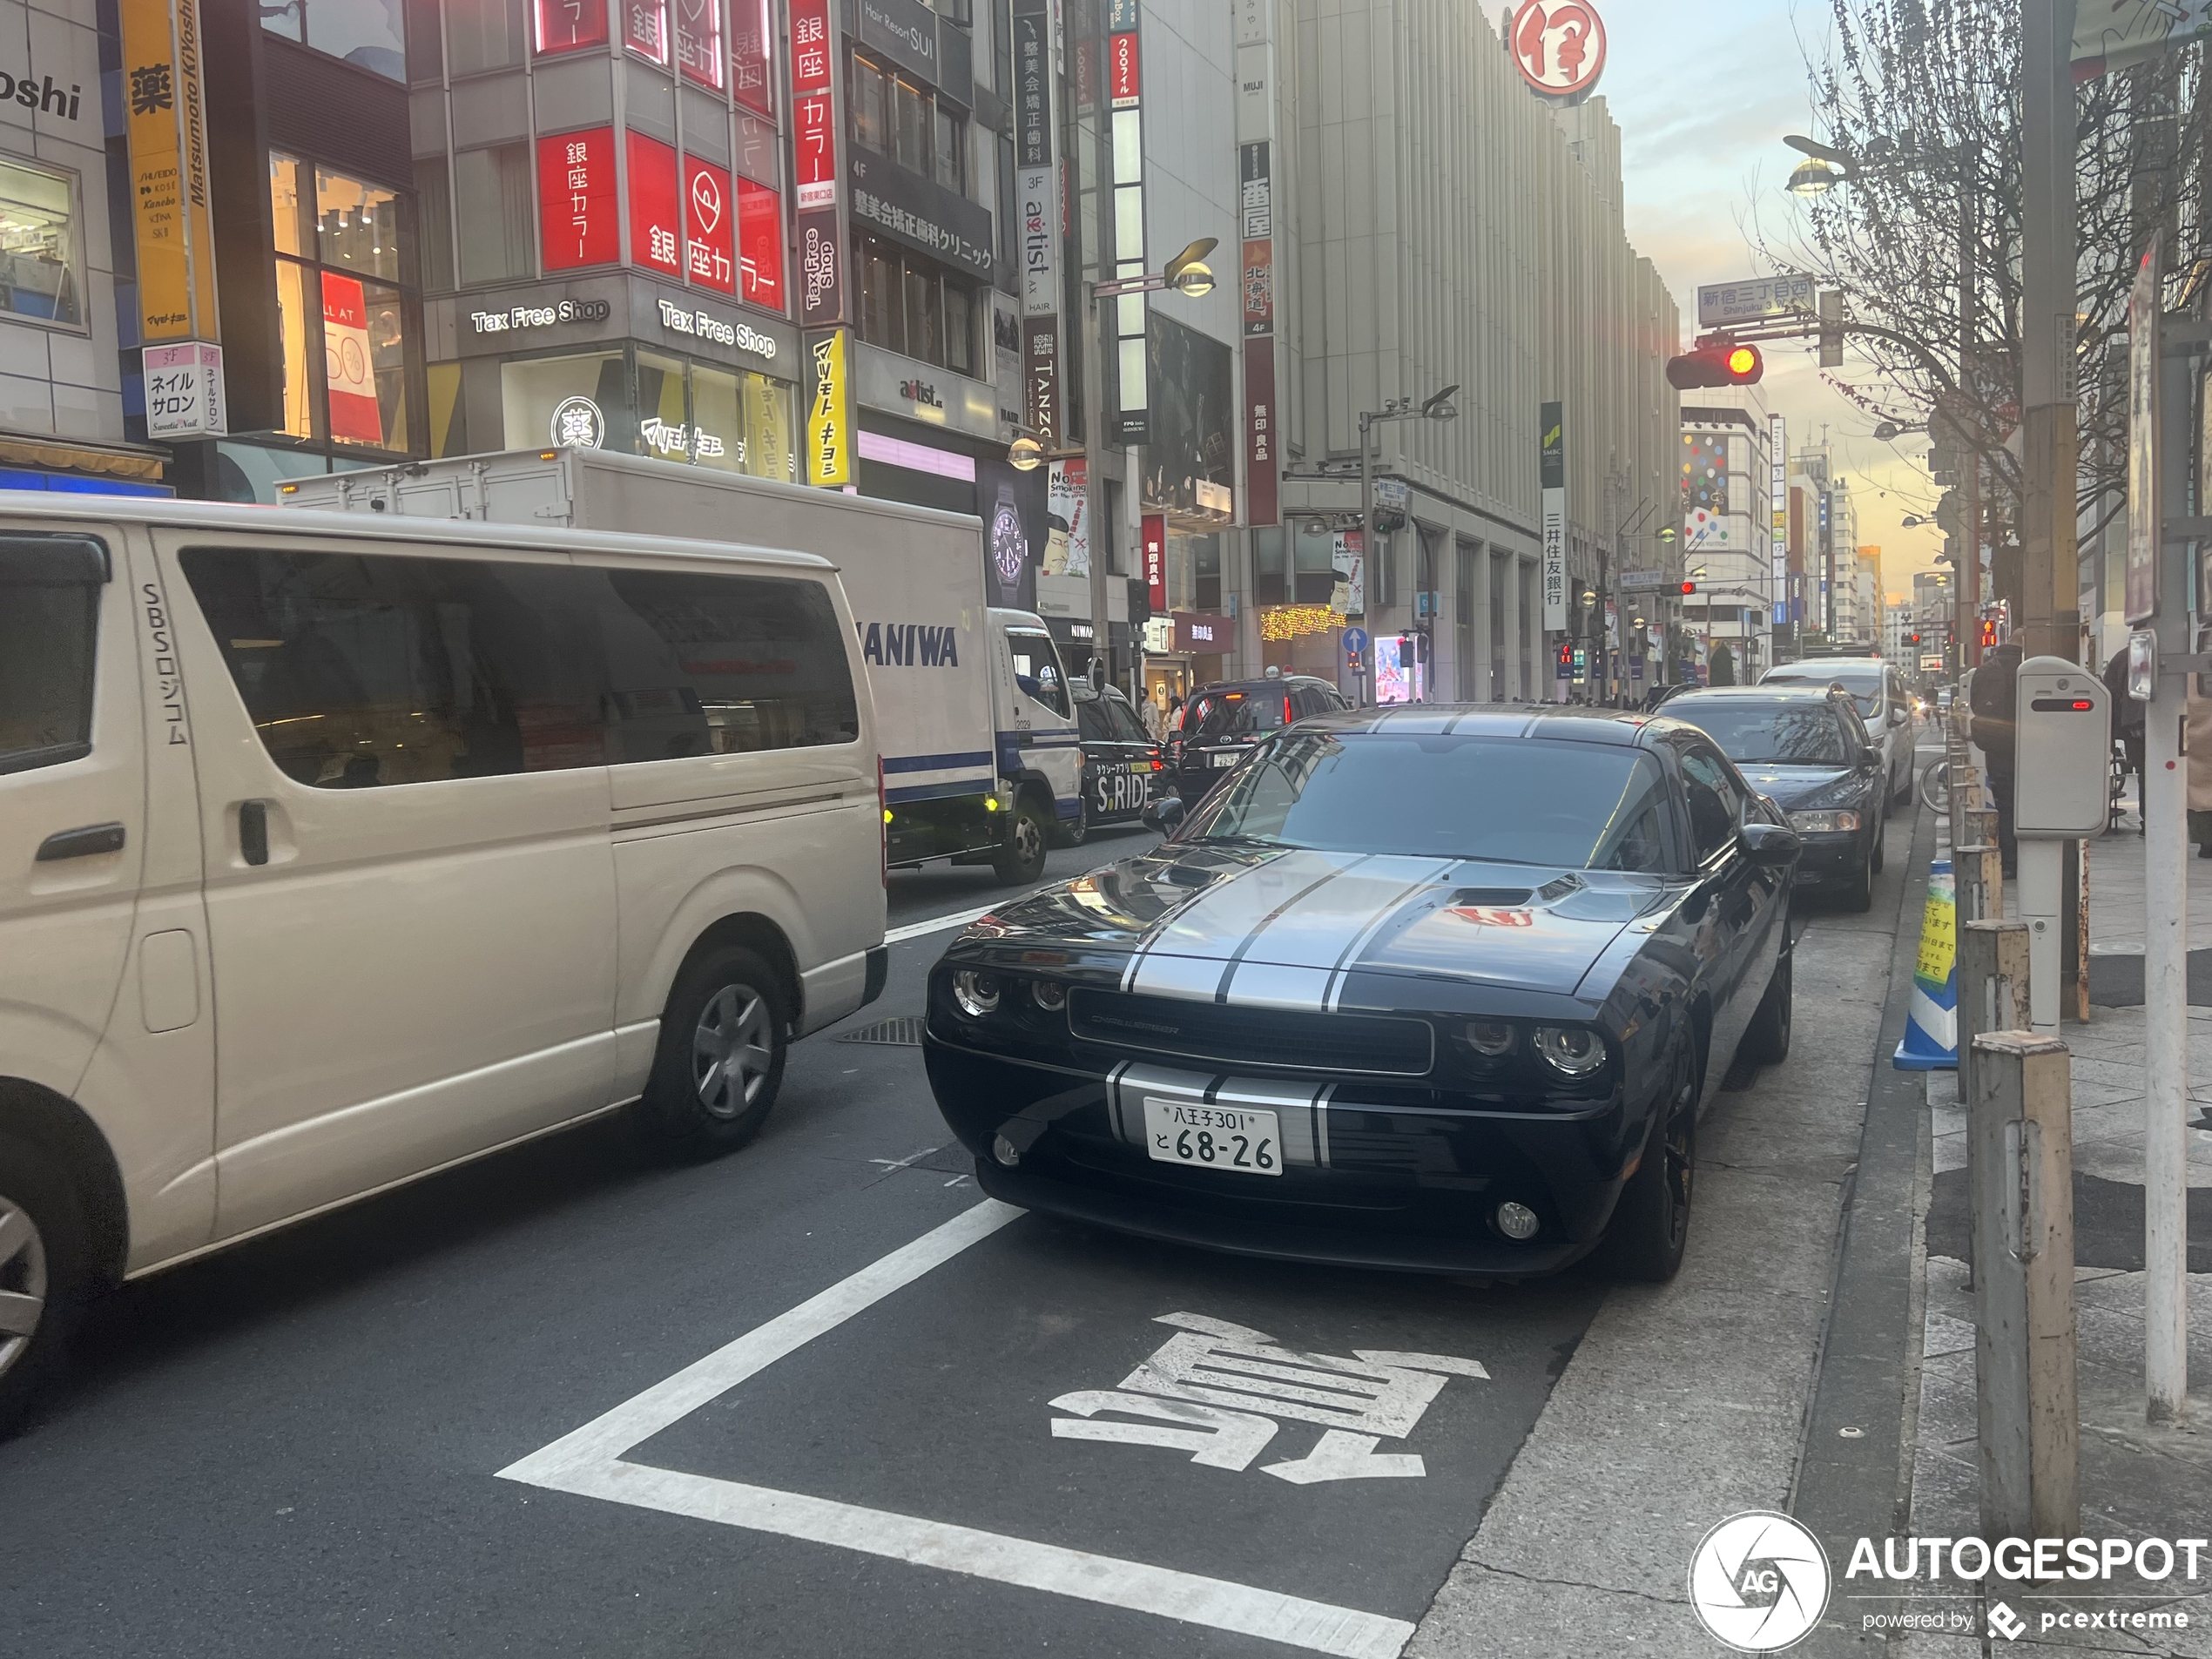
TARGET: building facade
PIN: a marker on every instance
(62, 414)
(1727, 527)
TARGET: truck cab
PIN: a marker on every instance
(1040, 749)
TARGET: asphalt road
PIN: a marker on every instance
(799, 1401)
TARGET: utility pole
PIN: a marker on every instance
(2049, 577)
(1966, 586)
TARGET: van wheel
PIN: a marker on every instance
(43, 1271)
(721, 1055)
(1022, 859)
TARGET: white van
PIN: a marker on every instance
(443, 835)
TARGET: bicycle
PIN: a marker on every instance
(1935, 787)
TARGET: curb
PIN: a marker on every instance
(1849, 1487)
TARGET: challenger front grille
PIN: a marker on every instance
(1275, 1038)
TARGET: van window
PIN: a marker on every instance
(49, 597)
(1037, 668)
(361, 671)
(722, 665)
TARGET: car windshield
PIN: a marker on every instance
(1238, 714)
(1864, 683)
(1513, 800)
(1796, 734)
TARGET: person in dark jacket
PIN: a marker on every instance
(2127, 724)
(1996, 732)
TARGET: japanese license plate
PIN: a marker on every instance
(1220, 760)
(1213, 1137)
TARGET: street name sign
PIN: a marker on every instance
(1755, 299)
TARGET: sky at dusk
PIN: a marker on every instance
(1703, 96)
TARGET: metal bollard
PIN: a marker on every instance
(1978, 874)
(2021, 1172)
(1993, 987)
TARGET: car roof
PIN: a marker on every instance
(1765, 692)
(1815, 664)
(1573, 722)
(1262, 685)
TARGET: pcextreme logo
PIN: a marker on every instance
(1759, 1581)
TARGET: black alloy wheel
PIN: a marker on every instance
(1767, 1039)
(1859, 894)
(1651, 1225)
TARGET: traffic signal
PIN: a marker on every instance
(1989, 633)
(1566, 658)
(1689, 587)
(1719, 362)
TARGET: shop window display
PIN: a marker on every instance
(38, 276)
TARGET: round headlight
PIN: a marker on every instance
(1493, 1037)
(1050, 995)
(1571, 1050)
(977, 993)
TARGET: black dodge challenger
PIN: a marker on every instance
(1428, 988)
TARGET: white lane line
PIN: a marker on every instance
(936, 924)
(589, 1462)
(642, 1416)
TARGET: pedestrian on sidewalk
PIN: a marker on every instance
(2127, 723)
(1996, 732)
(2200, 742)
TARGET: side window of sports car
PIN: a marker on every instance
(1637, 837)
(1715, 806)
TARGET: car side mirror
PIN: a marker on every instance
(1870, 754)
(1899, 716)
(1165, 814)
(1771, 844)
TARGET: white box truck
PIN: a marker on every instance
(982, 757)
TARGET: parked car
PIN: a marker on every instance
(1122, 764)
(1223, 721)
(1807, 750)
(1879, 691)
(442, 835)
(1439, 988)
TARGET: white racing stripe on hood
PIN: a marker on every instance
(1186, 955)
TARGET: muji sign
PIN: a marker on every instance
(1559, 45)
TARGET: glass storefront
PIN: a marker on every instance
(345, 308)
(38, 276)
(655, 404)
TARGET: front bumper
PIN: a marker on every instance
(1376, 1183)
(1829, 856)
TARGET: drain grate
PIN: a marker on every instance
(903, 1032)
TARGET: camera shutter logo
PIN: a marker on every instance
(1759, 1581)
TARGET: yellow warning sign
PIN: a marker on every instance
(1939, 931)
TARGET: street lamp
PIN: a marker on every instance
(1437, 406)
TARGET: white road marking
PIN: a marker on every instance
(589, 1462)
(936, 924)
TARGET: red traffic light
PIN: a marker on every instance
(1689, 587)
(1723, 363)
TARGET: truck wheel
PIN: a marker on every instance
(43, 1271)
(721, 1055)
(1022, 859)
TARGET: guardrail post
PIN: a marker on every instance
(1992, 988)
(2020, 1173)
(1978, 874)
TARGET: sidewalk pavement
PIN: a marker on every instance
(2136, 1481)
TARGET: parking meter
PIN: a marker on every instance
(2061, 792)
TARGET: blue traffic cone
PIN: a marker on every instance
(1932, 1006)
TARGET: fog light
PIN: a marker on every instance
(1050, 995)
(1008, 1154)
(977, 993)
(1514, 1220)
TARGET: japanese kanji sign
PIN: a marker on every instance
(1263, 469)
(760, 246)
(1223, 1392)
(709, 233)
(184, 392)
(1552, 482)
(1559, 45)
(814, 113)
(656, 226)
(576, 200)
(165, 125)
